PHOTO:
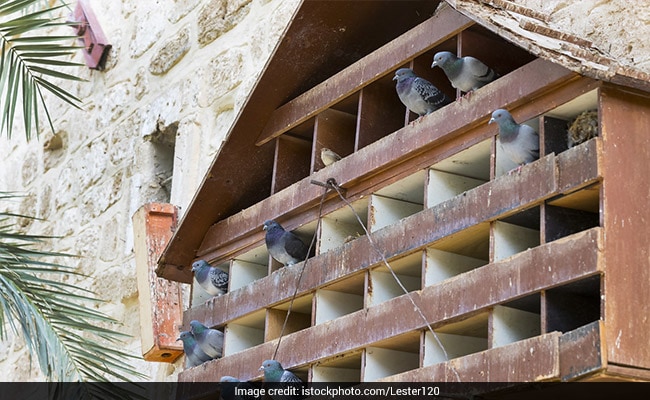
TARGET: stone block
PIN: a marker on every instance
(222, 75)
(170, 53)
(218, 17)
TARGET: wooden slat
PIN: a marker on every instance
(446, 23)
(478, 289)
(625, 118)
(582, 351)
(496, 199)
(529, 360)
(446, 302)
(406, 146)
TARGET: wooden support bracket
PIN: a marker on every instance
(92, 36)
(161, 301)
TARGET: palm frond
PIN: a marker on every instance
(61, 327)
(32, 60)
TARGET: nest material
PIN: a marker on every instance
(582, 128)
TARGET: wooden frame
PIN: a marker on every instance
(498, 263)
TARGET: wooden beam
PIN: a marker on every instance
(626, 144)
(445, 24)
(582, 351)
(529, 360)
(415, 146)
(443, 303)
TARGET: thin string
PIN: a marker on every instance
(385, 261)
(304, 265)
(331, 183)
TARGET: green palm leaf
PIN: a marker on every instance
(31, 62)
(57, 320)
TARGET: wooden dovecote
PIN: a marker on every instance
(531, 269)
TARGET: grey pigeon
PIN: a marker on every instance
(228, 386)
(193, 354)
(328, 156)
(284, 246)
(273, 372)
(212, 279)
(520, 143)
(209, 340)
(465, 73)
(418, 94)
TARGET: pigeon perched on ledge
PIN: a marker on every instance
(465, 73)
(193, 354)
(273, 372)
(212, 279)
(418, 95)
(519, 143)
(209, 340)
(285, 247)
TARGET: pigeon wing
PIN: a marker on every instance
(295, 247)
(430, 93)
(219, 279)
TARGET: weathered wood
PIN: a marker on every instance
(241, 174)
(497, 199)
(334, 130)
(160, 300)
(560, 222)
(529, 272)
(624, 124)
(292, 161)
(529, 360)
(552, 135)
(413, 147)
(582, 351)
(571, 306)
(380, 112)
(425, 36)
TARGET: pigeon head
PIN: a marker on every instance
(501, 117)
(403, 73)
(272, 370)
(270, 225)
(186, 337)
(197, 328)
(198, 265)
(443, 59)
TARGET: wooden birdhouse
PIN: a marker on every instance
(536, 275)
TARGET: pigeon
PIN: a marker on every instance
(212, 279)
(418, 94)
(209, 340)
(519, 143)
(193, 354)
(284, 246)
(273, 372)
(465, 73)
(229, 384)
(328, 156)
(582, 128)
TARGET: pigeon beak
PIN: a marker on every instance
(434, 64)
(261, 368)
(491, 120)
(395, 78)
(178, 338)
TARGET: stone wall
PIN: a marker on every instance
(177, 74)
